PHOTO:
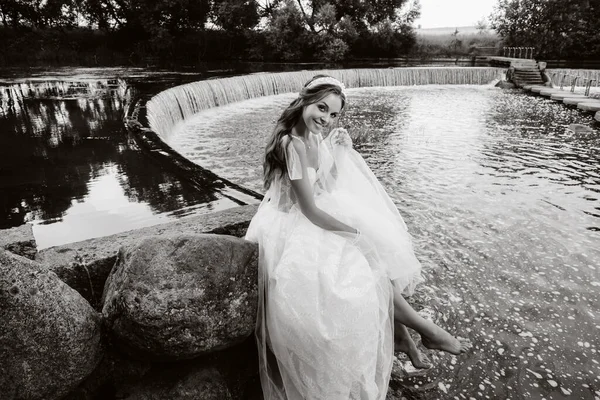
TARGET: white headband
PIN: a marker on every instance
(326, 80)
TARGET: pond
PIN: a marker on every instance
(503, 202)
(68, 165)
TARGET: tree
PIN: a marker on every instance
(39, 13)
(556, 28)
(286, 33)
(333, 29)
(147, 16)
(482, 26)
(455, 42)
(235, 15)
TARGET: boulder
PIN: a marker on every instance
(233, 372)
(19, 240)
(505, 85)
(178, 297)
(50, 337)
(179, 383)
(86, 265)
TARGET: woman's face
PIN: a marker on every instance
(321, 114)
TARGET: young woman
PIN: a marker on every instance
(335, 262)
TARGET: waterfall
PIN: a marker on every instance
(585, 74)
(173, 105)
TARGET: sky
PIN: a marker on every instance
(453, 13)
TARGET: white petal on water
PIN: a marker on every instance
(442, 387)
(539, 376)
(565, 391)
(552, 383)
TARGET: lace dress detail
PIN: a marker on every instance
(325, 321)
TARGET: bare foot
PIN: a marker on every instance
(410, 348)
(444, 341)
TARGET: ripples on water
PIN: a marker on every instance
(69, 167)
(503, 203)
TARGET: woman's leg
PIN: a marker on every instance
(404, 343)
(432, 336)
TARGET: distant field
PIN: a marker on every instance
(440, 42)
(462, 30)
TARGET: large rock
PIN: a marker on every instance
(85, 265)
(19, 240)
(231, 372)
(505, 85)
(49, 335)
(177, 297)
(182, 382)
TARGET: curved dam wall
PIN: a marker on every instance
(167, 108)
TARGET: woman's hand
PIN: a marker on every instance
(340, 137)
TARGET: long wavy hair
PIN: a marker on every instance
(274, 163)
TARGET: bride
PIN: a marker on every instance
(335, 262)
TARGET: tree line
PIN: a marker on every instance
(558, 29)
(187, 31)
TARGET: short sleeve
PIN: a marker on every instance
(292, 159)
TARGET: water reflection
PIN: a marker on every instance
(68, 165)
(503, 205)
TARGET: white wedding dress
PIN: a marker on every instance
(325, 318)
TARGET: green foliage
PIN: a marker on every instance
(235, 15)
(482, 26)
(286, 34)
(39, 13)
(335, 30)
(189, 31)
(556, 28)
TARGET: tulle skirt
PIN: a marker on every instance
(325, 319)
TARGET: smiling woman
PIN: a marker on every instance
(335, 261)
(312, 116)
(319, 115)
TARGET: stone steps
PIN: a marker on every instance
(591, 105)
(526, 73)
(579, 100)
(560, 96)
(575, 101)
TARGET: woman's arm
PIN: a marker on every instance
(304, 194)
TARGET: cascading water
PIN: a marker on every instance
(173, 105)
(584, 74)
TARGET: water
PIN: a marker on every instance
(171, 106)
(504, 206)
(68, 165)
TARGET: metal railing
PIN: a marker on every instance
(564, 79)
(518, 52)
(588, 86)
(572, 83)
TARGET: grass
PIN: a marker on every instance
(462, 44)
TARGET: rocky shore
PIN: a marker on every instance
(163, 312)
